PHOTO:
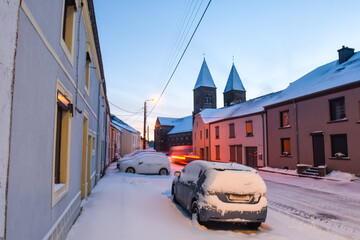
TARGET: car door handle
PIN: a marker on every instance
(140, 163)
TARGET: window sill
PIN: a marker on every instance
(232, 137)
(87, 91)
(358, 122)
(67, 52)
(285, 127)
(59, 191)
(286, 156)
(250, 135)
(343, 158)
(338, 120)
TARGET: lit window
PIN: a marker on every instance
(68, 27)
(285, 146)
(62, 143)
(217, 151)
(249, 129)
(284, 119)
(337, 109)
(217, 132)
(231, 130)
(339, 146)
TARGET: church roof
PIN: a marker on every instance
(234, 81)
(204, 79)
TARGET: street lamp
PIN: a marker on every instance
(144, 137)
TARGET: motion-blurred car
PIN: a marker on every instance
(182, 154)
(222, 192)
(146, 163)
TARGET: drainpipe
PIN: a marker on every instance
(263, 116)
(98, 134)
(297, 132)
(209, 142)
(77, 60)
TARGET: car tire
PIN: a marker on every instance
(173, 194)
(253, 225)
(195, 210)
(130, 170)
(163, 171)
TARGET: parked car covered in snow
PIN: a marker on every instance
(130, 155)
(224, 192)
(146, 163)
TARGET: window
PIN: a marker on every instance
(217, 132)
(207, 133)
(217, 150)
(200, 134)
(284, 119)
(249, 129)
(285, 146)
(232, 153)
(87, 69)
(231, 130)
(337, 109)
(339, 146)
(62, 133)
(68, 27)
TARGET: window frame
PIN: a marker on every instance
(333, 152)
(249, 134)
(68, 50)
(282, 119)
(283, 150)
(207, 133)
(217, 152)
(59, 190)
(333, 117)
(217, 132)
(231, 130)
(87, 69)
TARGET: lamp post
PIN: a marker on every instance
(144, 136)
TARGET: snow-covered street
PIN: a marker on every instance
(127, 206)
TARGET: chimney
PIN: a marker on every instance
(345, 53)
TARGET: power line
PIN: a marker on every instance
(182, 55)
(125, 109)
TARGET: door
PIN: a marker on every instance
(201, 153)
(239, 154)
(318, 149)
(251, 156)
(207, 153)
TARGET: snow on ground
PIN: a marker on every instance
(126, 206)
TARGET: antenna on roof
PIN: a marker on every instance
(233, 59)
(204, 55)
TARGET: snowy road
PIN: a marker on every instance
(126, 206)
(338, 211)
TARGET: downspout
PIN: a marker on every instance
(209, 142)
(77, 60)
(263, 116)
(266, 140)
(98, 134)
(297, 132)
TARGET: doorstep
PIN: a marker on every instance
(299, 175)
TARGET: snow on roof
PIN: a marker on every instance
(117, 127)
(328, 76)
(119, 123)
(251, 106)
(234, 81)
(204, 79)
(182, 125)
(166, 121)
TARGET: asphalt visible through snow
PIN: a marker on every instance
(133, 206)
(334, 212)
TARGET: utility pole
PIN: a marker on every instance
(144, 143)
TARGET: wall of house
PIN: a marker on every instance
(179, 139)
(40, 63)
(225, 141)
(8, 21)
(275, 133)
(161, 138)
(314, 116)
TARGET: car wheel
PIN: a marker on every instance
(163, 171)
(253, 225)
(173, 194)
(195, 210)
(130, 170)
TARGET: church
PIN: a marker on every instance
(178, 131)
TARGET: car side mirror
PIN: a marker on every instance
(177, 174)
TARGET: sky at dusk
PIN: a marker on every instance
(272, 43)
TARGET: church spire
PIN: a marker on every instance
(204, 79)
(234, 91)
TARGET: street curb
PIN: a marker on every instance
(300, 175)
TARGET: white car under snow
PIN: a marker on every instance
(146, 163)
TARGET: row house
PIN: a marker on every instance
(130, 140)
(54, 117)
(115, 142)
(314, 121)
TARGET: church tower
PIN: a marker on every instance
(234, 91)
(204, 90)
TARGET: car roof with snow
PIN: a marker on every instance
(221, 165)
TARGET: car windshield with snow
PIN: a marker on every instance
(223, 192)
(146, 163)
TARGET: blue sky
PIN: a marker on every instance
(273, 43)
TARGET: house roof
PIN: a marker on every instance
(123, 125)
(234, 81)
(180, 124)
(328, 76)
(204, 79)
